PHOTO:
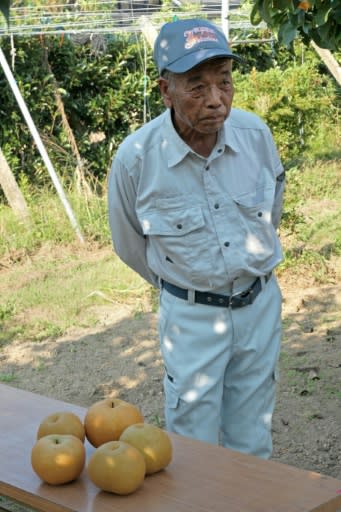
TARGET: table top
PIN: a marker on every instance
(200, 478)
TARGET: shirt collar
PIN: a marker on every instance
(176, 149)
(174, 146)
(228, 137)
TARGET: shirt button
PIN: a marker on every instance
(226, 244)
(207, 167)
(220, 150)
(179, 226)
(260, 214)
(216, 206)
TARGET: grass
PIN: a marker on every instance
(54, 292)
(51, 282)
(7, 377)
(312, 217)
(50, 223)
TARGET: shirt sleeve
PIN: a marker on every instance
(279, 199)
(127, 236)
(280, 184)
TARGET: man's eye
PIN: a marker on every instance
(198, 89)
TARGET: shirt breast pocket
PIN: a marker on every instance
(255, 214)
(175, 222)
(253, 199)
(176, 236)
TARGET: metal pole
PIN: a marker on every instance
(38, 141)
(224, 18)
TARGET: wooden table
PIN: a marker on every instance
(201, 477)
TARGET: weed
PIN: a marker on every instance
(332, 391)
(47, 329)
(287, 322)
(40, 365)
(61, 289)
(157, 420)
(7, 377)
(284, 358)
(7, 310)
(138, 314)
(314, 416)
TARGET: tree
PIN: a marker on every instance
(317, 21)
(4, 8)
(11, 190)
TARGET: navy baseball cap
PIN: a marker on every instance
(183, 44)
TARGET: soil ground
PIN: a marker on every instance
(120, 357)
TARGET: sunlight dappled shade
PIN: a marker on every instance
(190, 396)
(175, 329)
(267, 216)
(220, 326)
(201, 380)
(163, 43)
(168, 344)
(146, 225)
(267, 419)
(254, 245)
(128, 382)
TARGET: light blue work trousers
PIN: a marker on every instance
(220, 369)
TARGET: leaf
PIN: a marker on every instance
(325, 31)
(255, 16)
(322, 15)
(287, 33)
(337, 14)
(306, 28)
(267, 12)
(282, 5)
(4, 8)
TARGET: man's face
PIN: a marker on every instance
(201, 98)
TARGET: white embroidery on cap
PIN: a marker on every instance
(199, 35)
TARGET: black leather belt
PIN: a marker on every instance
(238, 300)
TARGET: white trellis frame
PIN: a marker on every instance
(65, 19)
(29, 121)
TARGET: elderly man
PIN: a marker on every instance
(195, 199)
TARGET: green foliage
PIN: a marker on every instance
(45, 266)
(104, 93)
(294, 102)
(6, 310)
(4, 8)
(49, 222)
(52, 269)
(311, 224)
(7, 377)
(108, 93)
(313, 20)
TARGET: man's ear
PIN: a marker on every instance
(164, 90)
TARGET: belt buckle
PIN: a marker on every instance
(241, 299)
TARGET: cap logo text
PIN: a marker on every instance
(199, 35)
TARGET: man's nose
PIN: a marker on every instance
(214, 95)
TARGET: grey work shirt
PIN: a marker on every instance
(199, 223)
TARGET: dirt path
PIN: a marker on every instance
(120, 357)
